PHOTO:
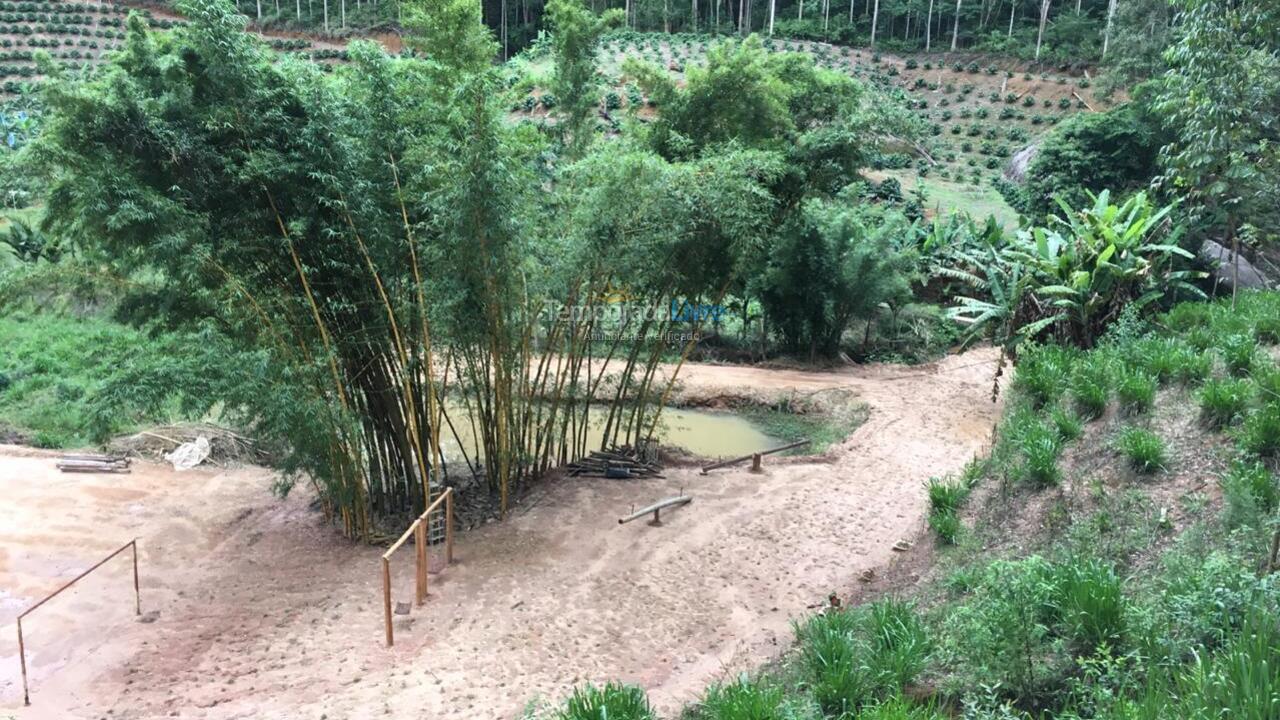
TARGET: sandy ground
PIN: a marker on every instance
(264, 612)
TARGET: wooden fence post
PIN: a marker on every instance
(448, 526)
(420, 541)
(386, 599)
(22, 655)
(137, 594)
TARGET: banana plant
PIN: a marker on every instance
(1088, 265)
(1009, 314)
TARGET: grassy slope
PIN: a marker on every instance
(50, 367)
(1096, 589)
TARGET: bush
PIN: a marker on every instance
(1144, 449)
(1223, 401)
(1191, 367)
(855, 657)
(899, 643)
(1114, 149)
(1240, 681)
(1001, 633)
(946, 495)
(611, 702)
(833, 661)
(946, 523)
(1040, 446)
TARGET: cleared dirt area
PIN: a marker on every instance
(264, 612)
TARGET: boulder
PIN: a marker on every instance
(1222, 268)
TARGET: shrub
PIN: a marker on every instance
(832, 658)
(1114, 149)
(1267, 380)
(1191, 366)
(1260, 434)
(1189, 315)
(1136, 392)
(898, 709)
(611, 702)
(855, 657)
(1144, 449)
(899, 643)
(1001, 634)
(1240, 681)
(1223, 401)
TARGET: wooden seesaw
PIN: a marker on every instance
(656, 509)
(755, 458)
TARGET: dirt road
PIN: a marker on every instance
(264, 612)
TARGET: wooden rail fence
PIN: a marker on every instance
(137, 606)
(418, 529)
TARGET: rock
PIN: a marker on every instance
(1016, 171)
(1222, 269)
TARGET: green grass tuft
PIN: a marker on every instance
(1091, 388)
(1144, 449)
(1223, 401)
(1260, 433)
(614, 701)
(1239, 352)
(742, 699)
(1136, 392)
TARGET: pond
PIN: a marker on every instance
(701, 432)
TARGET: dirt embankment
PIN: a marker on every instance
(264, 612)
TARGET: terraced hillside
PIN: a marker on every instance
(978, 111)
(77, 34)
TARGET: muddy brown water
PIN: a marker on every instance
(701, 432)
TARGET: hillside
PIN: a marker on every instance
(78, 35)
(978, 110)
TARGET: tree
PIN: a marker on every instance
(955, 29)
(1044, 18)
(1115, 150)
(875, 20)
(1220, 98)
(826, 269)
(575, 33)
(1106, 33)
